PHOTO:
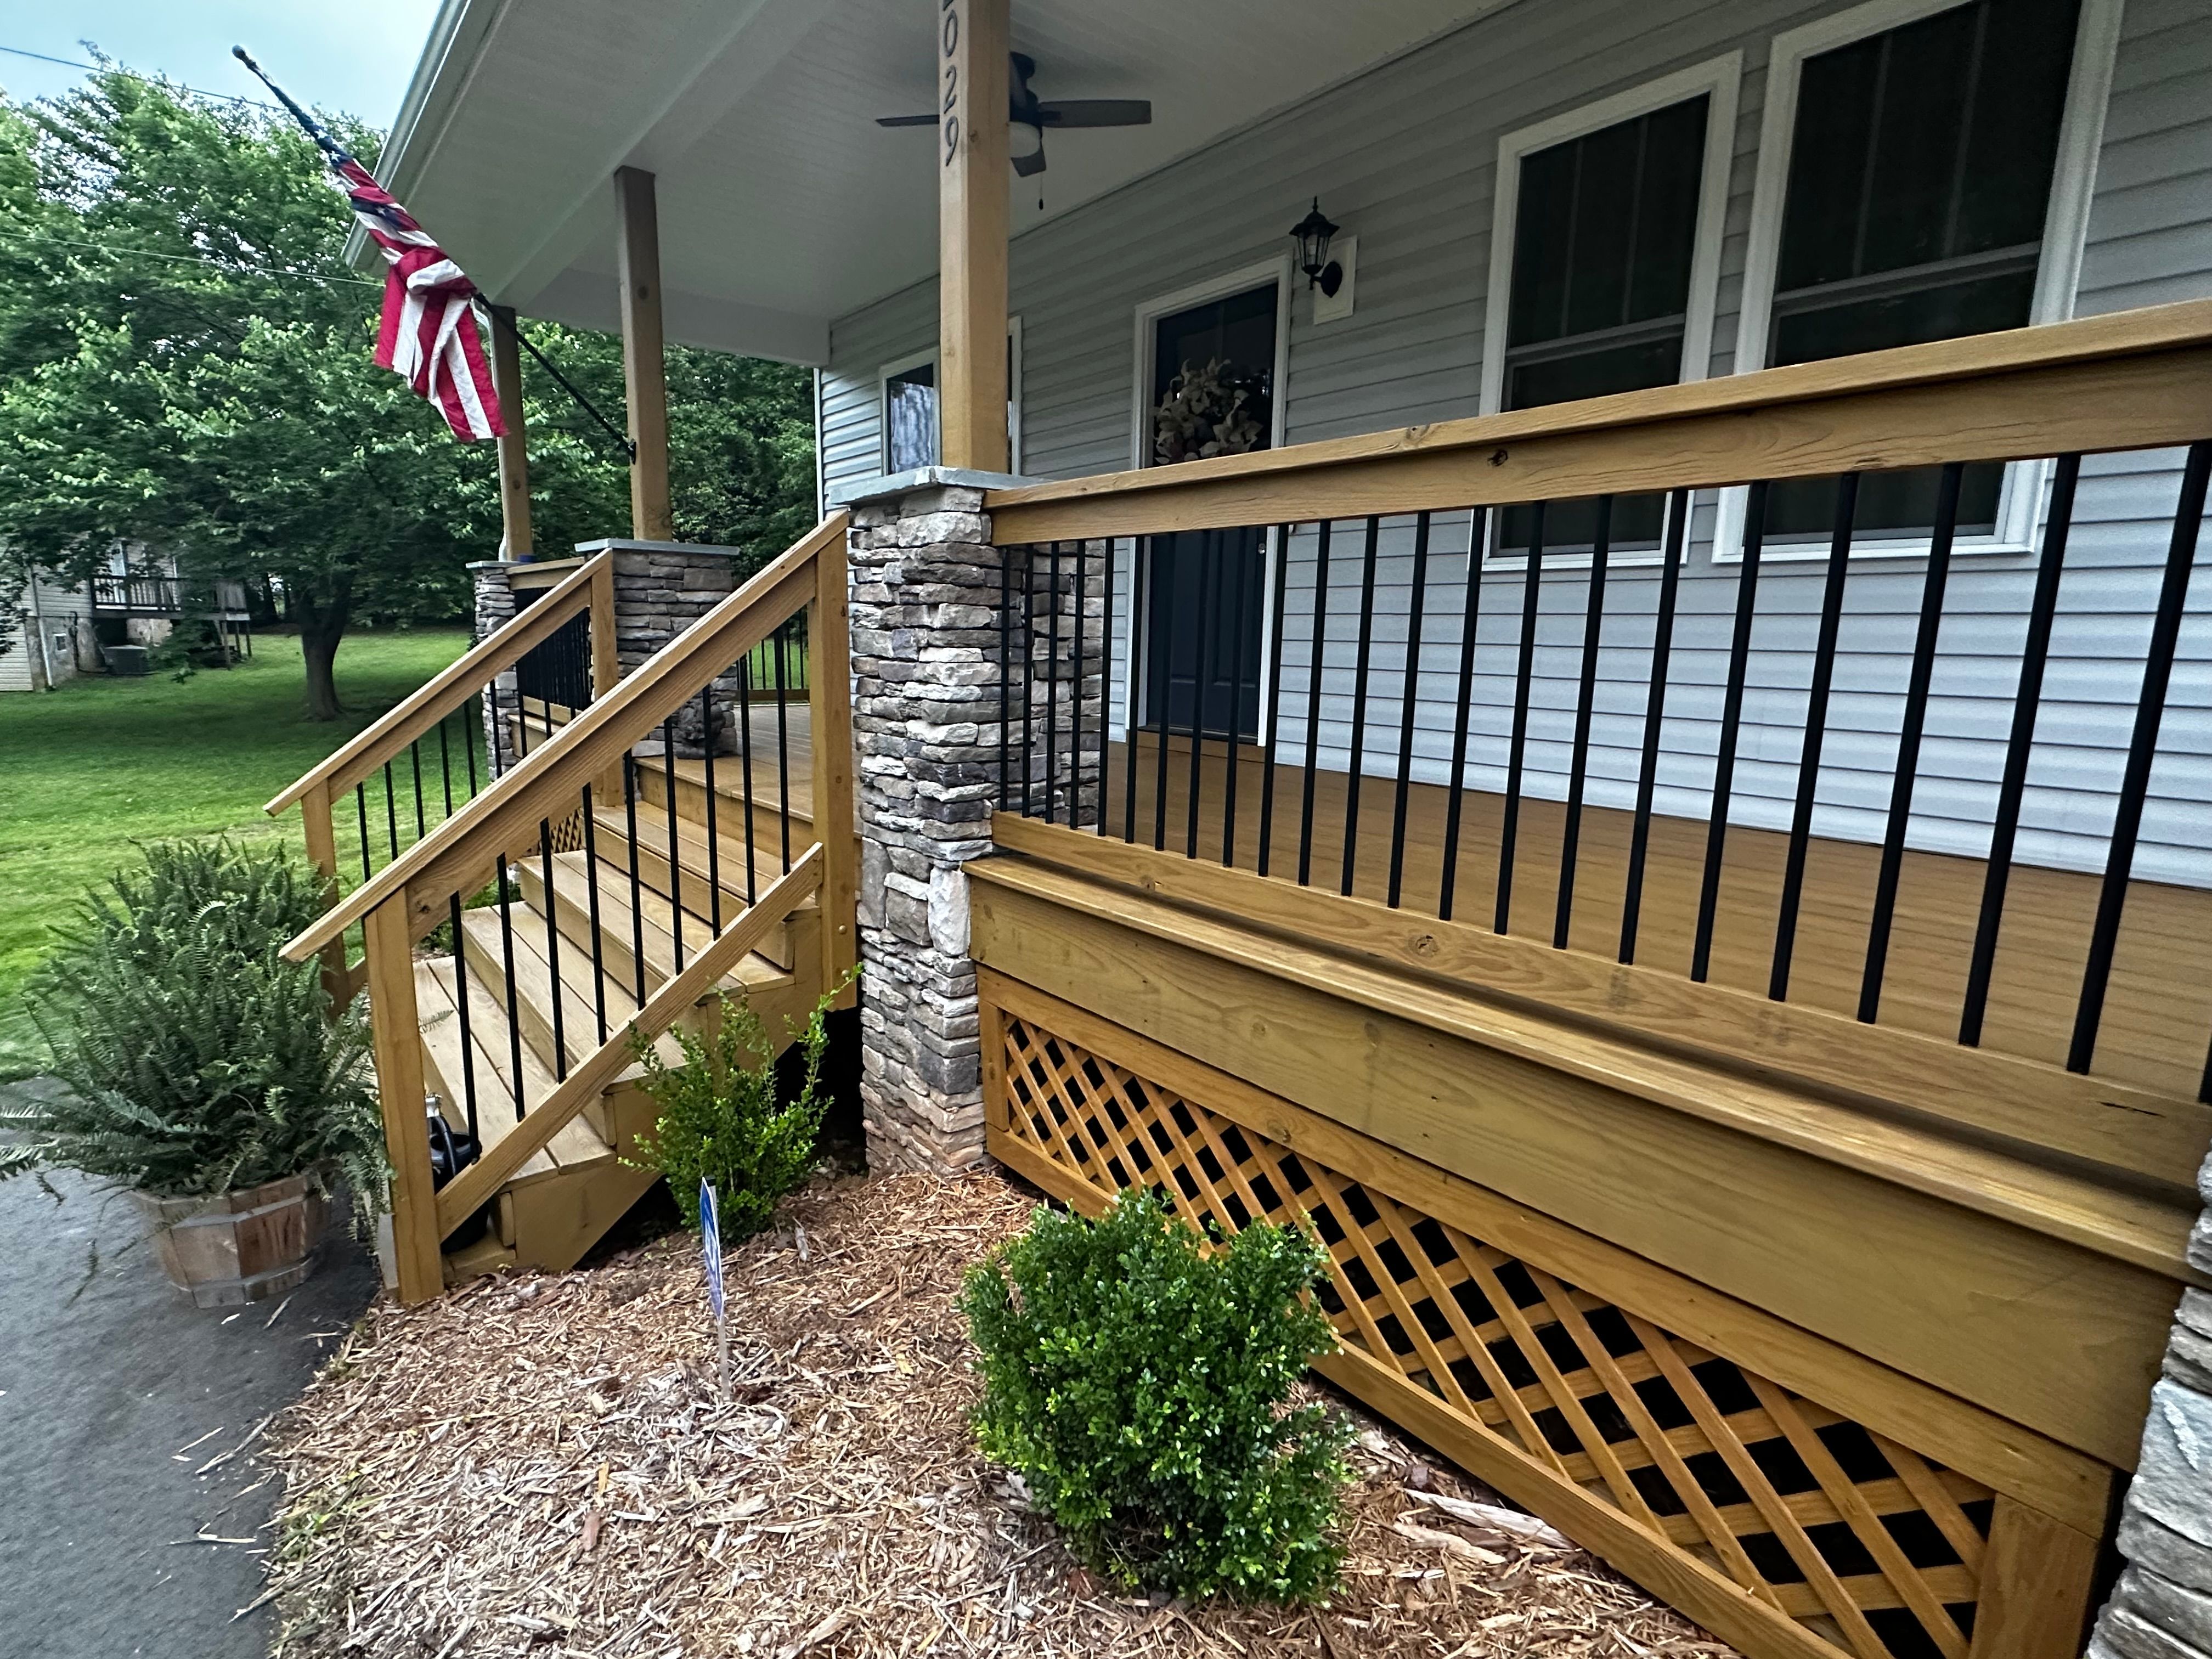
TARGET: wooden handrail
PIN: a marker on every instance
(457, 855)
(474, 1185)
(2129, 380)
(432, 701)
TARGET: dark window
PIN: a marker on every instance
(911, 418)
(1216, 577)
(1920, 175)
(1604, 235)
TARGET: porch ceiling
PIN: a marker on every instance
(782, 205)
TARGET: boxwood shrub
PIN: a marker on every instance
(1138, 1378)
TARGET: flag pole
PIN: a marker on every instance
(337, 154)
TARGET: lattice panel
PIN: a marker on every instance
(1863, 1541)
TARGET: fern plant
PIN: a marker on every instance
(198, 1060)
(722, 1119)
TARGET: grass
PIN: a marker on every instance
(89, 769)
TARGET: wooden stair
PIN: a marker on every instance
(649, 922)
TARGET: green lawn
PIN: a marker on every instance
(86, 770)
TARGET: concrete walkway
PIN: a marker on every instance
(105, 1381)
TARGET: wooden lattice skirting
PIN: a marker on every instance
(1794, 1497)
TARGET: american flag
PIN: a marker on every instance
(428, 335)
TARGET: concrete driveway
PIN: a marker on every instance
(115, 1394)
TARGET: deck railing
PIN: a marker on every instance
(543, 821)
(1466, 713)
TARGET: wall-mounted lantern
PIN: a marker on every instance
(1312, 234)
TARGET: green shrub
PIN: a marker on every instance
(1136, 1377)
(198, 1059)
(721, 1120)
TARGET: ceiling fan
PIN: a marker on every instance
(1030, 118)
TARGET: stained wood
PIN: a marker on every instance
(399, 1095)
(2032, 1328)
(645, 375)
(2036, 1585)
(1993, 1451)
(971, 42)
(2158, 1013)
(457, 855)
(513, 449)
(829, 718)
(2033, 1104)
(2130, 380)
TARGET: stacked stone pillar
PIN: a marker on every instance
(2162, 1607)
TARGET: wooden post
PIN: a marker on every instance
(396, 1028)
(606, 661)
(830, 697)
(513, 455)
(972, 184)
(323, 854)
(645, 378)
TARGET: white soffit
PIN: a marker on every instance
(782, 205)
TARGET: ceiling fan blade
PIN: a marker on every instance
(1096, 112)
(906, 120)
(1028, 167)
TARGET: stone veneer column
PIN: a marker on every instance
(2162, 1607)
(495, 601)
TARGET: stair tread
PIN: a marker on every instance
(728, 864)
(575, 1143)
(533, 986)
(753, 971)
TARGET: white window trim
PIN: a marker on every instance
(1718, 78)
(902, 364)
(1241, 280)
(2058, 268)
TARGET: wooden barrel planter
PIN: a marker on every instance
(240, 1246)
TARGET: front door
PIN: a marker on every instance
(1212, 394)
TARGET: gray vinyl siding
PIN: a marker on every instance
(1404, 157)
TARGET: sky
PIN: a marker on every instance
(352, 57)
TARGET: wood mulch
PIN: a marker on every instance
(542, 1465)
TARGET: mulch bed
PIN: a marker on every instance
(543, 1465)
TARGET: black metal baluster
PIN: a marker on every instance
(675, 841)
(1509, 827)
(391, 811)
(2143, 753)
(1164, 685)
(1236, 615)
(360, 817)
(1314, 667)
(1028, 681)
(494, 761)
(1075, 702)
(469, 720)
(1908, 741)
(2043, 609)
(461, 1008)
(714, 838)
(1470, 618)
(506, 956)
(414, 763)
(445, 765)
(1209, 578)
(553, 950)
(636, 893)
(1273, 621)
(1138, 589)
(1816, 727)
(1363, 659)
(1052, 680)
(783, 745)
(1747, 599)
(1106, 686)
(1005, 668)
(592, 890)
(746, 762)
(1571, 834)
(1654, 718)
(1409, 692)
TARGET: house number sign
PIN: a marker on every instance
(948, 48)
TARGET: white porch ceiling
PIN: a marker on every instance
(782, 205)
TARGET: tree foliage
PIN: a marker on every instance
(185, 364)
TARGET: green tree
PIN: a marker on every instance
(185, 364)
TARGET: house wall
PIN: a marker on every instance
(63, 611)
(1404, 157)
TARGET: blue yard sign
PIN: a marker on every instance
(710, 1240)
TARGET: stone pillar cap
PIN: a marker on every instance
(862, 492)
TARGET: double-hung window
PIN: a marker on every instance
(1906, 195)
(908, 407)
(1603, 275)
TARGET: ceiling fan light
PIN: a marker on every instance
(1024, 139)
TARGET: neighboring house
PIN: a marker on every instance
(1631, 737)
(135, 600)
(52, 638)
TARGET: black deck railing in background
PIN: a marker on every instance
(1058, 763)
(559, 671)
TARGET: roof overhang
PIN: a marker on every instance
(781, 204)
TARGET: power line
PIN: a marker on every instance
(111, 68)
(202, 259)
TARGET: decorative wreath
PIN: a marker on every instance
(1218, 409)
